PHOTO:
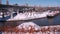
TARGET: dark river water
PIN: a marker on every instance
(41, 22)
(48, 21)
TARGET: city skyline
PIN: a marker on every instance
(34, 2)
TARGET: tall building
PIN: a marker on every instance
(7, 2)
(0, 1)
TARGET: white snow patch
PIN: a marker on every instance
(29, 15)
(27, 25)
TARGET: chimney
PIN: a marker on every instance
(0, 1)
(7, 2)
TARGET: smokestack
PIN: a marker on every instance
(0, 1)
(7, 2)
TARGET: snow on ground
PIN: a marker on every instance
(0, 16)
(28, 25)
(29, 15)
(53, 13)
(29, 33)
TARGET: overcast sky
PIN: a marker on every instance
(34, 2)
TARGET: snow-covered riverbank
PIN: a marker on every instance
(33, 15)
(32, 28)
(29, 15)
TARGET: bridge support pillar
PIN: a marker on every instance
(23, 11)
(18, 11)
(11, 13)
